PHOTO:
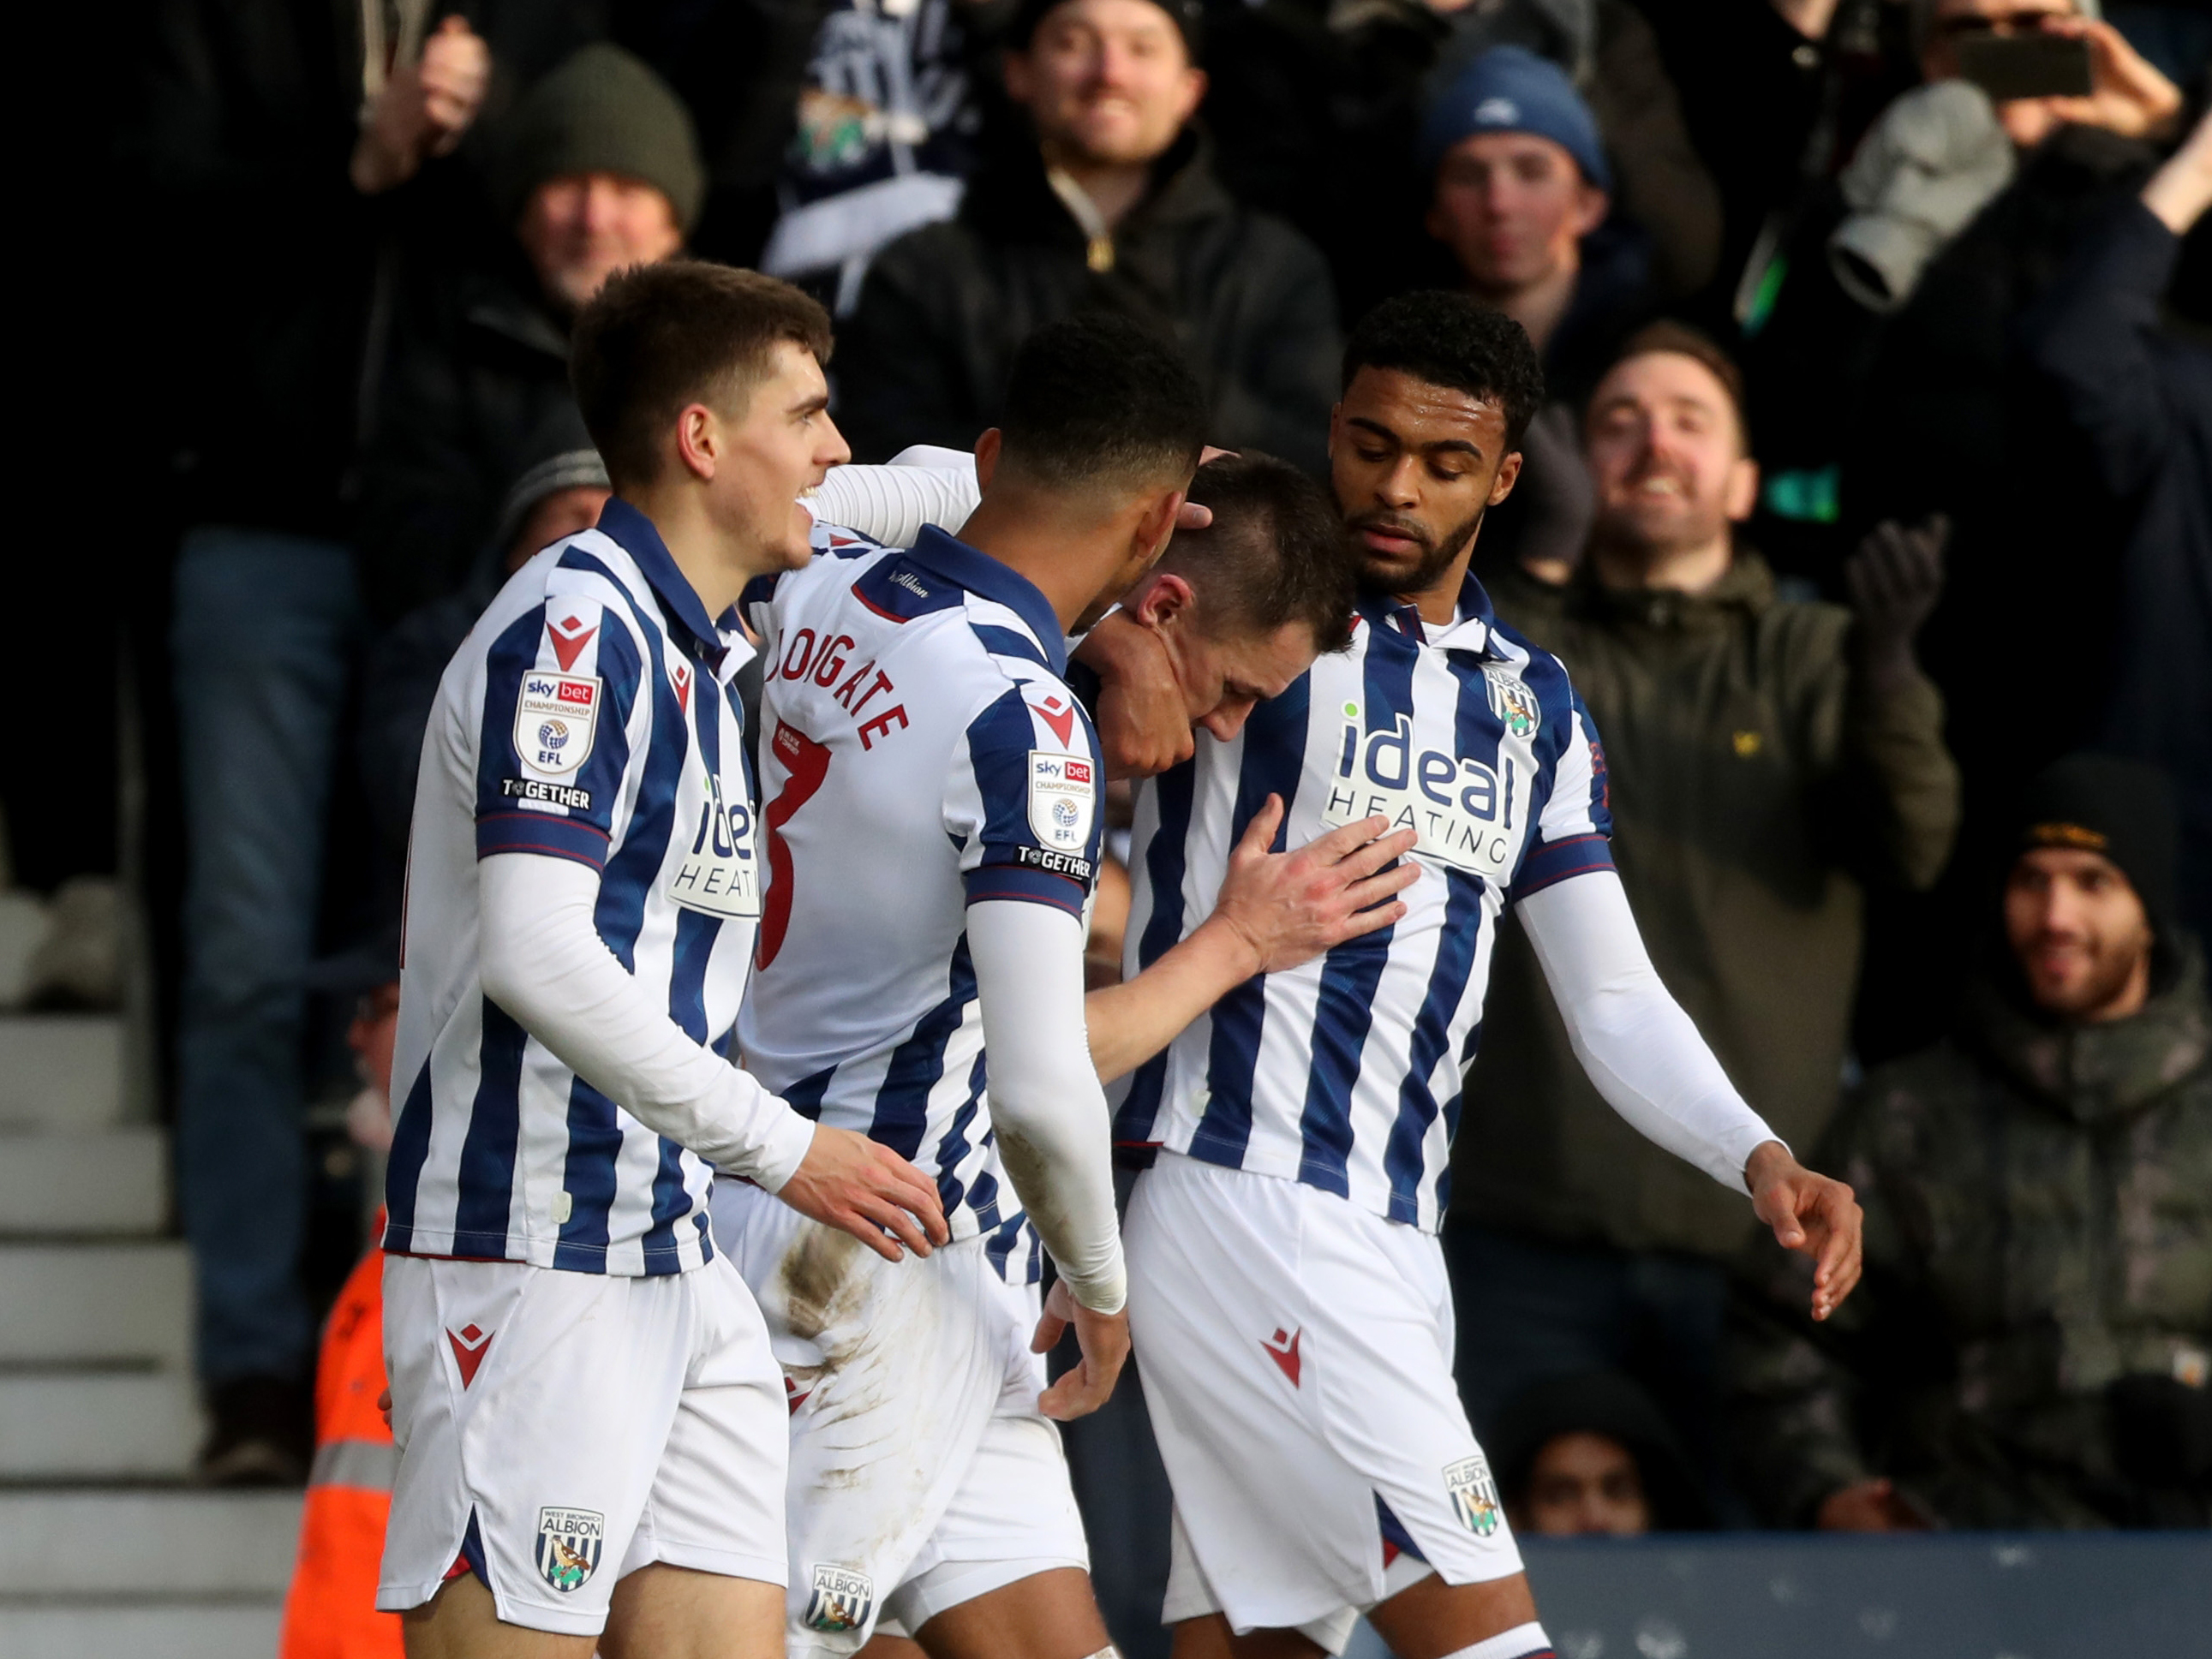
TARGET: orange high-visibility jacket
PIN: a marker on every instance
(331, 1612)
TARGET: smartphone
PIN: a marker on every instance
(2007, 66)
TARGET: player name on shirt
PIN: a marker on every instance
(922, 754)
(1345, 1072)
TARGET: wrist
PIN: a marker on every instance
(1769, 1160)
(1229, 951)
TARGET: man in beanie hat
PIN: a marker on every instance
(1521, 194)
(2032, 1345)
(596, 168)
(1101, 196)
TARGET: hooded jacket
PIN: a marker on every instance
(1755, 787)
(926, 355)
(2030, 1345)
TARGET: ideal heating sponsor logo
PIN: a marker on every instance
(1466, 812)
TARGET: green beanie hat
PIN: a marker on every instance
(603, 111)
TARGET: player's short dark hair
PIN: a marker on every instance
(1276, 552)
(1452, 340)
(1096, 401)
(659, 337)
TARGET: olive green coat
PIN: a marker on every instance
(1754, 787)
(2038, 1226)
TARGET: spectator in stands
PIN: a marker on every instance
(252, 119)
(1591, 1453)
(1767, 759)
(2139, 396)
(1520, 199)
(598, 168)
(561, 486)
(1107, 200)
(2030, 1344)
(1317, 106)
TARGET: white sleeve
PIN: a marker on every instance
(544, 962)
(890, 504)
(1055, 1133)
(1632, 1037)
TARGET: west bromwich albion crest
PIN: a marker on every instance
(1473, 1494)
(568, 1545)
(1512, 701)
(842, 1599)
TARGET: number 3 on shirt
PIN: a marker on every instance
(806, 764)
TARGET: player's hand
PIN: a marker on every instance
(384, 1408)
(1144, 725)
(1812, 1214)
(1104, 1340)
(1288, 907)
(864, 1188)
(1867, 1506)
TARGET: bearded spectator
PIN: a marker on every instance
(598, 168)
(1102, 198)
(1768, 760)
(2031, 1343)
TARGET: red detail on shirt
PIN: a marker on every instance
(569, 636)
(1283, 1349)
(1060, 716)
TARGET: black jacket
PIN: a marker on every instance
(2140, 400)
(477, 368)
(926, 356)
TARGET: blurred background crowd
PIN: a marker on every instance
(1871, 512)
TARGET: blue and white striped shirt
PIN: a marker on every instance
(922, 753)
(1346, 1073)
(589, 716)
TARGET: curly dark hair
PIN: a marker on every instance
(1452, 340)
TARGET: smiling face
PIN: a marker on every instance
(782, 445)
(580, 228)
(1513, 208)
(1415, 465)
(1108, 82)
(1665, 452)
(2080, 933)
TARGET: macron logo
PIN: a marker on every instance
(569, 635)
(470, 1344)
(1283, 1348)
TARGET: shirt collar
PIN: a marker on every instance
(636, 534)
(980, 573)
(1469, 631)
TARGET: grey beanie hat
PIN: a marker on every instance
(603, 111)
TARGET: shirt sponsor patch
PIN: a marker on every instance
(556, 718)
(717, 873)
(1063, 796)
(550, 795)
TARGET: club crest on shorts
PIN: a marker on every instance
(1063, 794)
(1473, 1494)
(1512, 701)
(842, 1599)
(568, 1545)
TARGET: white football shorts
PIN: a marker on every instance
(922, 1473)
(1296, 1353)
(558, 1430)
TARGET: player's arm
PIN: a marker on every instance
(1648, 1060)
(1275, 911)
(921, 485)
(1054, 1129)
(545, 965)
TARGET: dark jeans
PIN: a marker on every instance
(1528, 1310)
(1121, 1487)
(263, 640)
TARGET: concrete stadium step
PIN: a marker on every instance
(84, 1185)
(91, 1426)
(96, 1304)
(61, 1071)
(123, 1575)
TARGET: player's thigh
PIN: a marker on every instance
(884, 1646)
(1430, 1618)
(664, 1611)
(1047, 1615)
(460, 1622)
(1210, 1638)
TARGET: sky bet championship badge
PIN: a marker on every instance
(555, 716)
(1473, 1494)
(1063, 794)
(842, 1599)
(568, 1544)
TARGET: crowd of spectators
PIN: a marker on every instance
(1873, 495)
